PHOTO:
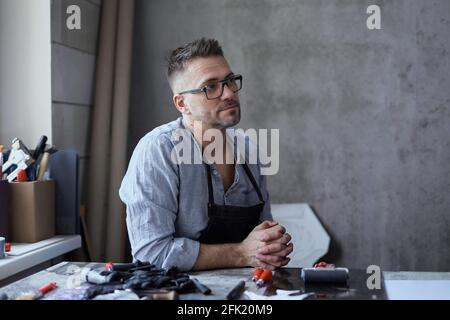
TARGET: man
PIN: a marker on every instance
(200, 216)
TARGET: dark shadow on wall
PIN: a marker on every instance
(334, 253)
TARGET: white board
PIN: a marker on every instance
(310, 239)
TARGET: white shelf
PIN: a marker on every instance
(25, 256)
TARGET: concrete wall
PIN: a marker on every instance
(364, 116)
(73, 77)
(25, 84)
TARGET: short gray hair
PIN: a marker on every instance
(177, 59)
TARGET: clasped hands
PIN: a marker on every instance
(267, 246)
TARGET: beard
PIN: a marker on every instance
(225, 115)
(228, 115)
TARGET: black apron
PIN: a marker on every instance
(230, 224)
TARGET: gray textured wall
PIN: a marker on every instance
(364, 116)
(73, 78)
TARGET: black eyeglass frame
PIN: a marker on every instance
(223, 82)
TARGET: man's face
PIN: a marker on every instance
(222, 112)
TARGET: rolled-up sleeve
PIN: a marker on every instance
(150, 191)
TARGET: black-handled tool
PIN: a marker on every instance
(129, 267)
(201, 287)
(236, 291)
(39, 147)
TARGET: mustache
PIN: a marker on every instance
(230, 104)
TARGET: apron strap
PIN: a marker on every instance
(252, 180)
(210, 187)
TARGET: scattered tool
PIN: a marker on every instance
(47, 288)
(116, 272)
(39, 294)
(96, 277)
(323, 272)
(43, 165)
(258, 272)
(19, 157)
(236, 292)
(201, 287)
(128, 267)
(265, 278)
(139, 276)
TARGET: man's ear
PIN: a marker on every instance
(178, 101)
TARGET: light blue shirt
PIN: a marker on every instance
(166, 202)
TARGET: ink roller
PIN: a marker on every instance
(324, 275)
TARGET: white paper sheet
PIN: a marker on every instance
(418, 289)
(281, 295)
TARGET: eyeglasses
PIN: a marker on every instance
(214, 90)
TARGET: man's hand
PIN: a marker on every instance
(267, 246)
(274, 254)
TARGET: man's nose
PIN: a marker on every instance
(227, 93)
